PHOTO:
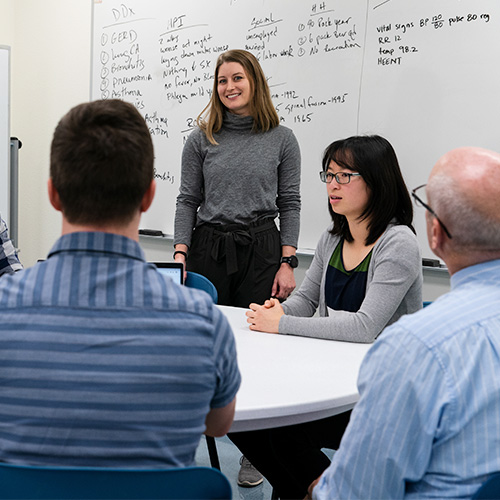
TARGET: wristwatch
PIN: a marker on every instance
(292, 261)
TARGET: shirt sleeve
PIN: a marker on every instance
(389, 439)
(227, 372)
(288, 196)
(304, 302)
(191, 189)
(9, 262)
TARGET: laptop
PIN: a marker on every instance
(174, 270)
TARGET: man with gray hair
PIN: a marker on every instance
(427, 424)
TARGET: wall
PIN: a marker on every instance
(6, 35)
(51, 44)
(6, 21)
(50, 72)
(5, 133)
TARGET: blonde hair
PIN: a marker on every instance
(261, 106)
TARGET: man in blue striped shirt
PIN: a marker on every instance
(427, 424)
(104, 361)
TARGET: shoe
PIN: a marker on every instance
(248, 476)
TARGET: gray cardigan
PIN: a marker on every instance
(393, 288)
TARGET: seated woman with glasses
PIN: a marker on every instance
(367, 271)
(366, 274)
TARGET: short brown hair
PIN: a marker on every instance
(101, 162)
(261, 105)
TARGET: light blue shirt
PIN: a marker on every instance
(427, 424)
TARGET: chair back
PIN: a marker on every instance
(72, 483)
(490, 490)
(195, 280)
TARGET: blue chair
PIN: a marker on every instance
(490, 490)
(195, 280)
(72, 483)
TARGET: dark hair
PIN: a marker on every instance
(261, 106)
(101, 162)
(375, 159)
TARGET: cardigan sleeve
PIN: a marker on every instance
(305, 301)
(393, 289)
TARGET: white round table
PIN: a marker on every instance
(289, 380)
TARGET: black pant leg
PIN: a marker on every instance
(258, 448)
(200, 261)
(290, 457)
(298, 447)
(255, 279)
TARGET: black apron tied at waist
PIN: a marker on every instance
(226, 237)
(225, 246)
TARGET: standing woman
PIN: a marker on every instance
(240, 170)
(366, 274)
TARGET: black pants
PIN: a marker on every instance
(241, 261)
(290, 457)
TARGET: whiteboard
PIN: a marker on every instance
(419, 72)
(4, 132)
(439, 88)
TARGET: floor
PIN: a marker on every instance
(229, 457)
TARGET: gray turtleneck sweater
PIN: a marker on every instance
(246, 177)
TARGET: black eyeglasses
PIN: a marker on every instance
(421, 203)
(340, 177)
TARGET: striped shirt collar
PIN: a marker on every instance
(98, 242)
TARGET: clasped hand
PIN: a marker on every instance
(265, 317)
